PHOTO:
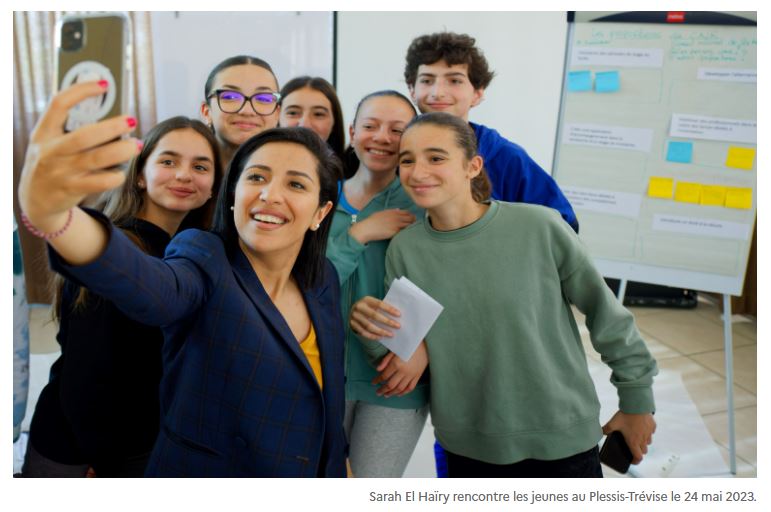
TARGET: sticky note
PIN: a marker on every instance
(740, 158)
(738, 198)
(680, 152)
(713, 195)
(686, 192)
(579, 81)
(607, 81)
(660, 187)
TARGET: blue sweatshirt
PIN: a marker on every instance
(516, 177)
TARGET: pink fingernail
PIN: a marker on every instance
(140, 145)
(103, 84)
(131, 122)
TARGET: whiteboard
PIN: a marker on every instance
(656, 146)
(187, 45)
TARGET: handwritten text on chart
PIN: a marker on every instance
(609, 137)
(711, 47)
(713, 128)
(702, 227)
(629, 57)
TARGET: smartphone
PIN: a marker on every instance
(615, 453)
(94, 47)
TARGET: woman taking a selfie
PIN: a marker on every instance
(253, 339)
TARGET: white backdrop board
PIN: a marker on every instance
(525, 49)
(187, 45)
(656, 144)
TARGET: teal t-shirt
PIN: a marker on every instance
(361, 268)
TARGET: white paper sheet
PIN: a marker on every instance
(621, 57)
(702, 227)
(610, 137)
(714, 128)
(419, 312)
(749, 76)
(682, 445)
(604, 201)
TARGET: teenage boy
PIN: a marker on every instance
(446, 72)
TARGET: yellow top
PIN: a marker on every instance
(311, 350)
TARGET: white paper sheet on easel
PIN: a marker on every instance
(419, 312)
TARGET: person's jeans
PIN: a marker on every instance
(581, 465)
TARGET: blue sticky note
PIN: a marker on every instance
(680, 152)
(579, 81)
(607, 81)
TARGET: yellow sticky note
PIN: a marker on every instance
(713, 195)
(738, 198)
(660, 187)
(740, 158)
(687, 192)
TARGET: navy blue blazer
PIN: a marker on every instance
(238, 397)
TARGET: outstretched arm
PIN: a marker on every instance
(61, 169)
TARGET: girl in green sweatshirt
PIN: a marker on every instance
(510, 391)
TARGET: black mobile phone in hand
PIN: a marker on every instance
(615, 453)
(91, 48)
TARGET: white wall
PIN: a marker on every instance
(526, 50)
(187, 45)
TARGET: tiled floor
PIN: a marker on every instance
(688, 341)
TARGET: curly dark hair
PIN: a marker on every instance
(453, 49)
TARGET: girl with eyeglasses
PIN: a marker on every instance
(241, 99)
(250, 311)
(100, 407)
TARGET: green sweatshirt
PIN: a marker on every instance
(509, 379)
(361, 269)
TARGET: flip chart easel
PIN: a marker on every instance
(656, 147)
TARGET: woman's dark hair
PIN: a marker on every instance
(124, 204)
(453, 49)
(466, 140)
(309, 265)
(350, 160)
(336, 139)
(238, 60)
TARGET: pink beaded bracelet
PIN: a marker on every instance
(41, 234)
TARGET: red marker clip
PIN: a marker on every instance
(675, 16)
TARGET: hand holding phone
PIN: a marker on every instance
(615, 453)
(89, 49)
